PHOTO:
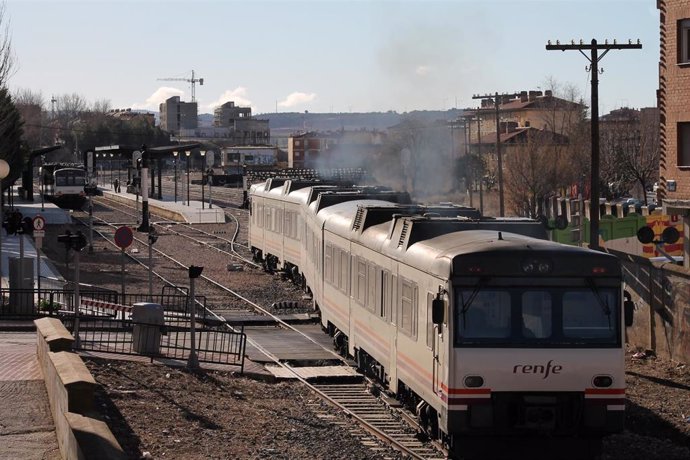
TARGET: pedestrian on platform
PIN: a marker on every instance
(116, 185)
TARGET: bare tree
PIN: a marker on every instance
(7, 59)
(31, 106)
(551, 157)
(629, 152)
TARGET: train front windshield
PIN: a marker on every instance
(70, 178)
(537, 317)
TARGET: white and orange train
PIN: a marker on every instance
(483, 326)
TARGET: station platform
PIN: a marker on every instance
(11, 244)
(194, 213)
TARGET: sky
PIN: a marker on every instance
(328, 56)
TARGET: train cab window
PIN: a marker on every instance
(486, 316)
(590, 314)
(79, 181)
(61, 180)
(545, 317)
(536, 315)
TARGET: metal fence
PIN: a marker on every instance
(219, 345)
(33, 303)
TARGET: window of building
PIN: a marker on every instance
(684, 41)
(684, 144)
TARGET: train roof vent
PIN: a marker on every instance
(359, 218)
(403, 233)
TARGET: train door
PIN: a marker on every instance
(391, 278)
(435, 342)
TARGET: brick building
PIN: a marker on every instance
(674, 108)
(340, 149)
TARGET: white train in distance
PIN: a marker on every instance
(484, 327)
(63, 184)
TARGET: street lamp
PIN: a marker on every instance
(203, 158)
(188, 153)
(98, 155)
(111, 169)
(4, 172)
(175, 153)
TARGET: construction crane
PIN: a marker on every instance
(192, 80)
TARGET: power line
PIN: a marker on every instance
(496, 99)
(594, 59)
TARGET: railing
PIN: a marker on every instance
(218, 345)
(32, 303)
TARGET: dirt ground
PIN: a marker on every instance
(161, 412)
(171, 413)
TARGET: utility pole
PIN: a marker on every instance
(497, 102)
(594, 59)
(144, 227)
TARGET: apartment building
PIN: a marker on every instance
(674, 112)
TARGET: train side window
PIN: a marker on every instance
(260, 216)
(371, 287)
(279, 221)
(328, 263)
(429, 323)
(296, 225)
(287, 225)
(394, 300)
(360, 287)
(344, 271)
(408, 308)
(386, 292)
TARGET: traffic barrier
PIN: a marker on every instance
(91, 303)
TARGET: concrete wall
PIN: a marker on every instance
(662, 306)
(71, 388)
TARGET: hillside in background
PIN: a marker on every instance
(285, 123)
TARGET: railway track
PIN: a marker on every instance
(375, 421)
(383, 420)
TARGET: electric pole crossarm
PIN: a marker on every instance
(585, 46)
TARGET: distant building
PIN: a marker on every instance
(129, 114)
(177, 115)
(532, 109)
(674, 106)
(340, 149)
(233, 158)
(240, 127)
(226, 114)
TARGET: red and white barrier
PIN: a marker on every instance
(105, 305)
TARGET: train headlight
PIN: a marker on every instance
(602, 381)
(474, 381)
(534, 266)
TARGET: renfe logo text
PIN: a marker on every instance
(538, 369)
